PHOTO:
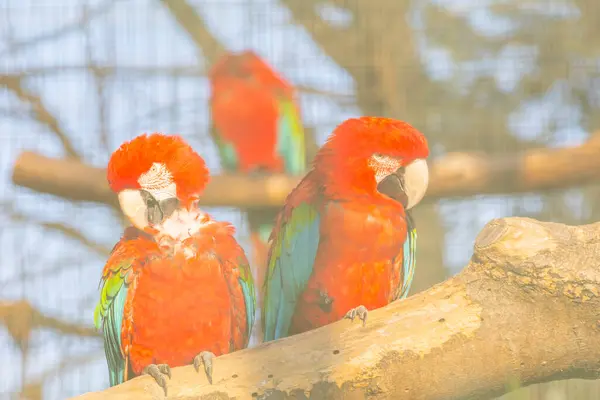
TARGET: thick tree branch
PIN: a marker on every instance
(464, 338)
(453, 175)
(333, 41)
(386, 72)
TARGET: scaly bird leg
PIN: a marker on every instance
(206, 358)
(361, 312)
(158, 372)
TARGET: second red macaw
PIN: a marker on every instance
(344, 242)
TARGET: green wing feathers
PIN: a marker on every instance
(227, 153)
(108, 315)
(290, 137)
(247, 283)
(409, 258)
(290, 265)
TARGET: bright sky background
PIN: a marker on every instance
(61, 276)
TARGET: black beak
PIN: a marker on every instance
(156, 210)
(393, 186)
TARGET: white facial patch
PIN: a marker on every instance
(158, 180)
(181, 225)
(383, 165)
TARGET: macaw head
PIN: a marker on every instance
(247, 66)
(153, 175)
(376, 156)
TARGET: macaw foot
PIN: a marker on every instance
(258, 172)
(361, 312)
(158, 372)
(206, 358)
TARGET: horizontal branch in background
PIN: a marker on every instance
(453, 175)
(468, 337)
(20, 318)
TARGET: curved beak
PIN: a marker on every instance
(143, 209)
(408, 184)
(134, 207)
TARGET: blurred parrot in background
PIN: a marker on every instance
(177, 288)
(344, 242)
(257, 128)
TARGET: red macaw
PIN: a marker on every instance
(344, 242)
(177, 288)
(257, 127)
(256, 120)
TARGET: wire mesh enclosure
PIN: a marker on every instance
(79, 77)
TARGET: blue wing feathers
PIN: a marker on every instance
(112, 337)
(291, 268)
(409, 261)
(250, 305)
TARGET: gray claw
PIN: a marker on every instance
(158, 372)
(361, 312)
(165, 369)
(205, 358)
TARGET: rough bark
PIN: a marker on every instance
(526, 307)
(452, 175)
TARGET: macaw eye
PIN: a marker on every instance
(148, 198)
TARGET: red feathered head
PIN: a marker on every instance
(375, 155)
(154, 174)
(248, 66)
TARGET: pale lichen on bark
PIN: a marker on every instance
(539, 256)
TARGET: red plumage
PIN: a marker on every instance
(361, 232)
(356, 263)
(245, 95)
(135, 157)
(343, 161)
(182, 286)
(177, 307)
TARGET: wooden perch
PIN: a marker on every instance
(525, 308)
(456, 174)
